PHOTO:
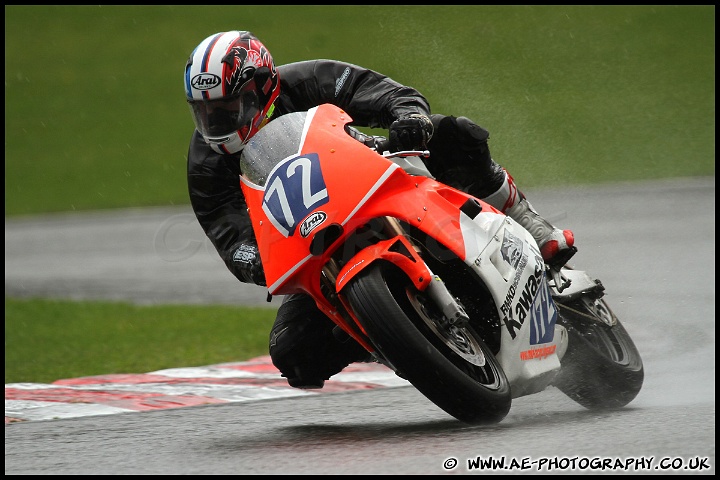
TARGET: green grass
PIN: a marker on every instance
(95, 118)
(48, 340)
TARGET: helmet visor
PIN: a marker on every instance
(221, 117)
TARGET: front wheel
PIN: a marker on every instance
(602, 367)
(451, 365)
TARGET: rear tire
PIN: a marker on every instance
(601, 368)
(452, 366)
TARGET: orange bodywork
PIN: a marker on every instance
(359, 185)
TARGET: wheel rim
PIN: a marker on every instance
(455, 338)
(601, 335)
(599, 310)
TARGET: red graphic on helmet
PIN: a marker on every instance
(242, 62)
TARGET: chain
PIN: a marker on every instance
(582, 314)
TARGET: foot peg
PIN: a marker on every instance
(561, 258)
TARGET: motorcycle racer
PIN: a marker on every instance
(233, 88)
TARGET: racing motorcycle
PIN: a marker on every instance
(437, 285)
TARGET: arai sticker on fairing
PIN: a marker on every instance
(295, 188)
(313, 221)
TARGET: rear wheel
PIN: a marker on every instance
(451, 365)
(602, 367)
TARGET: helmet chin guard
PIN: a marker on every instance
(228, 144)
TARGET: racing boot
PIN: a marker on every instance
(556, 246)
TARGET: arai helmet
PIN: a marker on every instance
(231, 86)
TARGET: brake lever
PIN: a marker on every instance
(407, 153)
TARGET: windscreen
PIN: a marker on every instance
(275, 142)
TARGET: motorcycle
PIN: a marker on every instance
(437, 285)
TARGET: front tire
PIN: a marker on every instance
(601, 368)
(452, 366)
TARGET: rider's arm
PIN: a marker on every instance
(371, 98)
(220, 207)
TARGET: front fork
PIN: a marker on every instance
(403, 253)
(436, 290)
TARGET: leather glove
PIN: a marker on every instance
(247, 265)
(412, 132)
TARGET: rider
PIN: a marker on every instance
(234, 88)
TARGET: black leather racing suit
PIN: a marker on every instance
(459, 156)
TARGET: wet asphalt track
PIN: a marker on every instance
(652, 244)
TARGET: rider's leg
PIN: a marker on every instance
(556, 246)
(304, 347)
(460, 156)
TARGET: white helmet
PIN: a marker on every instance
(231, 85)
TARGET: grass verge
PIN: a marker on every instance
(48, 340)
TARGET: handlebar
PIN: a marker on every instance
(383, 147)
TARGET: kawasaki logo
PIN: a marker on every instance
(205, 81)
